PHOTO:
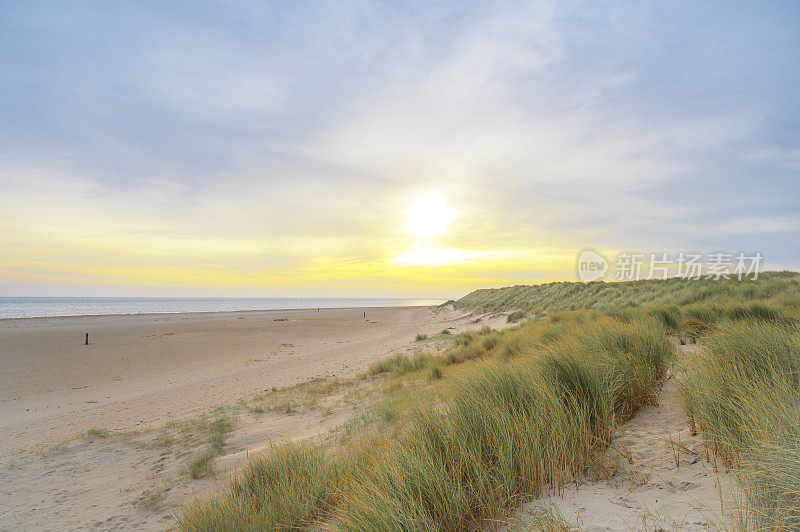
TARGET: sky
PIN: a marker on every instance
(296, 149)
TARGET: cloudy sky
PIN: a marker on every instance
(387, 149)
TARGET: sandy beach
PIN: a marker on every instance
(140, 373)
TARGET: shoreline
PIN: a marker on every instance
(181, 313)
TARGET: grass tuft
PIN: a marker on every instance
(97, 433)
(286, 488)
(200, 466)
(434, 373)
(515, 316)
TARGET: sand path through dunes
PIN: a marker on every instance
(665, 481)
(143, 371)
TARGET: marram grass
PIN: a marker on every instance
(508, 429)
(506, 416)
(770, 287)
(743, 395)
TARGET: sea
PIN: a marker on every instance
(38, 307)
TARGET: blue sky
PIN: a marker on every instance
(236, 148)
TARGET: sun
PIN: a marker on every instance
(428, 216)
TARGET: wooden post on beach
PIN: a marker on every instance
(87, 339)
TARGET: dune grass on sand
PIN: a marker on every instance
(513, 426)
(774, 289)
(742, 391)
(744, 397)
(506, 416)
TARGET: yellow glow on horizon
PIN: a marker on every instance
(435, 250)
(433, 256)
(415, 271)
(429, 216)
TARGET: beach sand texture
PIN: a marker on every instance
(140, 373)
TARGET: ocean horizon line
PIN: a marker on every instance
(14, 307)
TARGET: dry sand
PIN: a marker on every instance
(142, 372)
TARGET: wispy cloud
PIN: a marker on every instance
(279, 147)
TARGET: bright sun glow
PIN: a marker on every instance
(435, 257)
(429, 216)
